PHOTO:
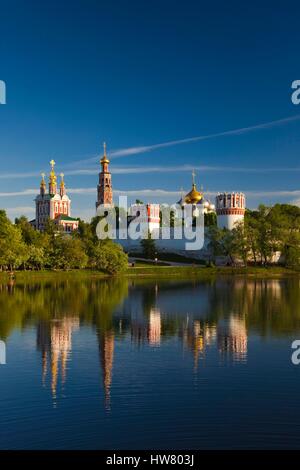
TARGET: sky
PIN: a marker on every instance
(170, 86)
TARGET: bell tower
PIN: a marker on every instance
(104, 188)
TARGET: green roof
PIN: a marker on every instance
(67, 218)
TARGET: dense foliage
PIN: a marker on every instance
(269, 234)
(23, 247)
(148, 247)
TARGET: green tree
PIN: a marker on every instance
(13, 252)
(67, 253)
(109, 257)
(36, 257)
(215, 241)
(148, 247)
(29, 234)
(240, 243)
(210, 219)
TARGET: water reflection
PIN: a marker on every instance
(54, 341)
(106, 349)
(232, 338)
(216, 315)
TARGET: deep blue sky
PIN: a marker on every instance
(141, 73)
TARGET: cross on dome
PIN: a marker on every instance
(193, 176)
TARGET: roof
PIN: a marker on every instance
(66, 218)
(194, 196)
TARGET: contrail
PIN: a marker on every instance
(160, 192)
(148, 148)
(242, 130)
(160, 169)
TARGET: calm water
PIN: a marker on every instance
(122, 364)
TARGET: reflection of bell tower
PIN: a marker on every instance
(104, 188)
(106, 349)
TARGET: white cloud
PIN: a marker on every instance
(159, 192)
(21, 209)
(28, 211)
(25, 192)
(18, 175)
(185, 168)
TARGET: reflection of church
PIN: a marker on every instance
(232, 338)
(198, 336)
(230, 335)
(54, 340)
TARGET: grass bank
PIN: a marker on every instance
(186, 272)
(150, 271)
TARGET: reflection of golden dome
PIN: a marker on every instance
(194, 196)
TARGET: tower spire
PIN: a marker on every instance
(43, 184)
(62, 188)
(193, 177)
(52, 179)
(104, 159)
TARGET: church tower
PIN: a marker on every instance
(54, 205)
(230, 209)
(104, 188)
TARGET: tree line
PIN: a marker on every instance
(265, 233)
(268, 234)
(23, 247)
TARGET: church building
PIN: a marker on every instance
(54, 205)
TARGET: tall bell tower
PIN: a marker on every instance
(104, 188)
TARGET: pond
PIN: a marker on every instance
(122, 364)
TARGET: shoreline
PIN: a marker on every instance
(161, 272)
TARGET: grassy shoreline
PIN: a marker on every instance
(161, 272)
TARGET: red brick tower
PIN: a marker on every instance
(104, 188)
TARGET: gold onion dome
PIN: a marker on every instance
(52, 176)
(104, 159)
(194, 196)
(43, 182)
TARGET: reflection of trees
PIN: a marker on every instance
(267, 305)
(219, 313)
(92, 302)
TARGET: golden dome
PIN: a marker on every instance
(52, 176)
(104, 159)
(194, 196)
